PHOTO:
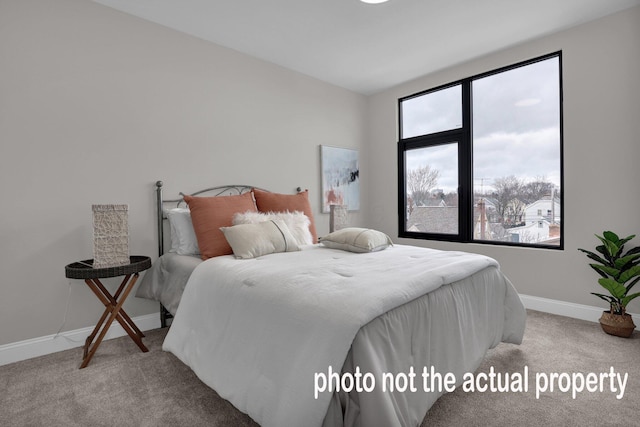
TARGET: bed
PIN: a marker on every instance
(265, 331)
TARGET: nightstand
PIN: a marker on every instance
(113, 303)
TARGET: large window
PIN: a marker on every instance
(480, 160)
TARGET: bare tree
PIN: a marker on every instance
(528, 237)
(536, 190)
(420, 182)
(507, 195)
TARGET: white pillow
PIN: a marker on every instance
(183, 236)
(297, 222)
(254, 240)
(359, 240)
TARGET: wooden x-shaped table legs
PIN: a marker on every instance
(113, 310)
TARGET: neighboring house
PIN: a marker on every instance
(532, 232)
(536, 219)
(434, 202)
(542, 222)
(434, 219)
(543, 209)
(536, 224)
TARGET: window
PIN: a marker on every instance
(480, 160)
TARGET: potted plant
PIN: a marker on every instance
(619, 271)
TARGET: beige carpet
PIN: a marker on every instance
(125, 387)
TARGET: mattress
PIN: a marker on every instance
(166, 279)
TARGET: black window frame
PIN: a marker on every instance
(463, 136)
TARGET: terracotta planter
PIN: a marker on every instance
(620, 325)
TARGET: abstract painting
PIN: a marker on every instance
(340, 178)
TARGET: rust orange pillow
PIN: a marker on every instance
(276, 202)
(208, 214)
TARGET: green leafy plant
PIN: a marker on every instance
(619, 270)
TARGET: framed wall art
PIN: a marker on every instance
(340, 178)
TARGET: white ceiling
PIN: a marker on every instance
(368, 48)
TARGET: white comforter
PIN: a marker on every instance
(257, 331)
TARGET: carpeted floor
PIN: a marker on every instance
(125, 387)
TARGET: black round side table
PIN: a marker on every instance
(113, 303)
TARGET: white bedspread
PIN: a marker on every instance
(257, 331)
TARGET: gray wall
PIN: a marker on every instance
(601, 65)
(96, 105)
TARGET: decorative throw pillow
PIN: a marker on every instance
(183, 237)
(275, 202)
(297, 222)
(355, 239)
(263, 238)
(174, 238)
(208, 214)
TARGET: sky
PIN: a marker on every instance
(516, 128)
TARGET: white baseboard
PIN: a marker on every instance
(22, 350)
(35, 347)
(563, 308)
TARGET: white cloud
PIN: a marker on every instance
(527, 155)
(527, 102)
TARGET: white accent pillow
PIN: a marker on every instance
(183, 236)
(263, 238)
(355, 239)
(297, 222)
